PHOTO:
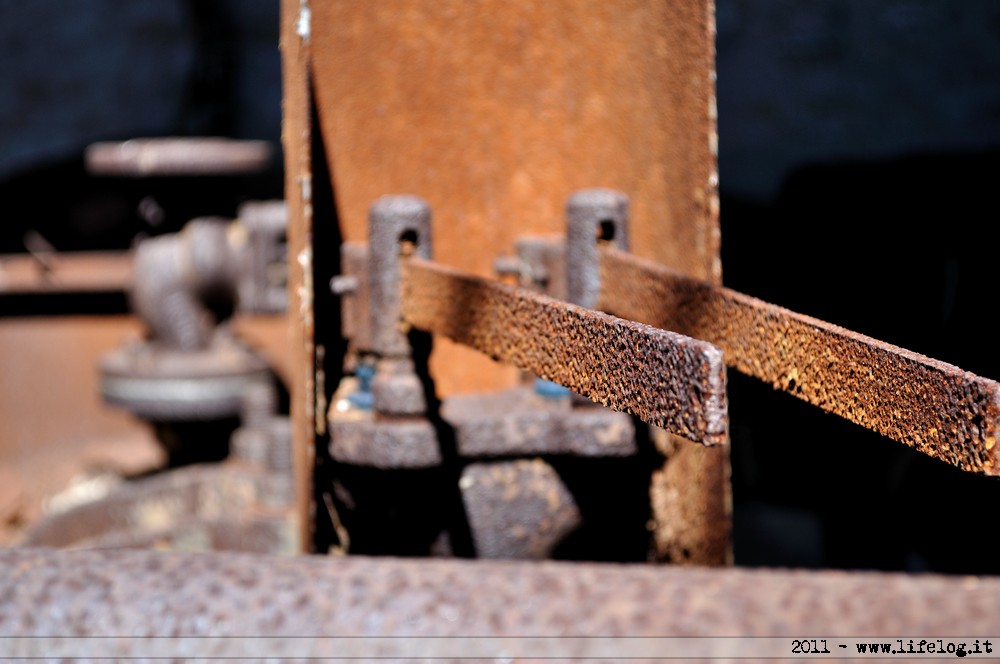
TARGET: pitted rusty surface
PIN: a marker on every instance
(396, 442)
(588, 211)
(932, 406)
(517, 509)
(666, 379)
(145, 593)
(397, 390)
(390, 220)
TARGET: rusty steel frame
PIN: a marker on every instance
(934, 407)
(73, 594)
(666, 379)
(657, 144)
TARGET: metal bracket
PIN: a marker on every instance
(592, 216)
(395, 433)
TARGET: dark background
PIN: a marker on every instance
(859, 146)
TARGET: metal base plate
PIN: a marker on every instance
(165, 384)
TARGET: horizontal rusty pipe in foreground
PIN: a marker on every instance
(136, 594)
(664, 378)
(934, 407)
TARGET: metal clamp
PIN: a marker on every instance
(397, 434)
(592, 215)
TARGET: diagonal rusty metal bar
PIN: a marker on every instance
(666, 379)
(934, 407)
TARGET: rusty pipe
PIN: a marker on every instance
(172, 276)
(145, 593)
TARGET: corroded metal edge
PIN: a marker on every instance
(296, 140)
(934, 407)
(666, 379)
(146, 593)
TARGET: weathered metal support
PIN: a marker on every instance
(934, 407)
(592, 216)
(666, 379)
(398, 434)
(520, 421)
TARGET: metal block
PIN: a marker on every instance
(161, 383)
(517, 509)
(396, 388)
(519, 422)
(392, 443)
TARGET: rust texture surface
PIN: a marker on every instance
(666, 379)
(934, 407)
(496, 111)
(517, 509)
(296, 138)
(145, 593)
(519, 421)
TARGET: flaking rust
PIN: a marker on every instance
(666, 379)
(934, 407)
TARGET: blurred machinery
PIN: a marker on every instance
(190, 376)
(495, 216)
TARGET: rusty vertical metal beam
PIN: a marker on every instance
(296, 135)
(495, 112)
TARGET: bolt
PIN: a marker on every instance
(344, 284)
(592, 215)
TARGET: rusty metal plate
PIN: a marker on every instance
(519, 421)
(668, 380)
(390, 443)
(495, 112)
(934, 407)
